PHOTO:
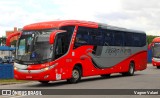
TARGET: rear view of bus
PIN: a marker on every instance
(156, 52)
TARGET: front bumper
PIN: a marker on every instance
(28, 75)
(156, 62)
(49, 75)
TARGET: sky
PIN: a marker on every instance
(141, 15)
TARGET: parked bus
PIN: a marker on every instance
(155, 46)
(72, 49)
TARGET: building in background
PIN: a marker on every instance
(13, 41)
(11, 32)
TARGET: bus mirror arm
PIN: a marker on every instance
(52, 37)
(8, 43)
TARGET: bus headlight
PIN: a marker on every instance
(15, 68)
(49, 67)
(45, 69)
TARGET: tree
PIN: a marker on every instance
(2, 40)
(150, 38)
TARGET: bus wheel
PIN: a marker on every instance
(44, 82)
(76, 75)
(158, 67)
(130, 71)
(106, 76)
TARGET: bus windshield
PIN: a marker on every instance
(156, 50)
(33, 47)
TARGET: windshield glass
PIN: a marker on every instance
(156, 50)
(33, 47)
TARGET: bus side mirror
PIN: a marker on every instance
(8, 43)
(53, 35)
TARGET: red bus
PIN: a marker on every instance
(72, 49)
(155, 46)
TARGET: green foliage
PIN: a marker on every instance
(2, 40)
(150, 38)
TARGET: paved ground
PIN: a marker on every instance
(147, 79)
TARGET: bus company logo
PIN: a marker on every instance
(29, 71)
(118, 51)
(6, 92)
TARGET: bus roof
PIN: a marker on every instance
(156, 40)
(106, 26)
(57, 24)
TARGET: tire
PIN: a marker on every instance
(158, 67)
(106, 76)
(76, 75)
(44, 82)
(130, 71)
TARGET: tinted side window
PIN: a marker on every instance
(136, 40)
(96, 37)
(118, 38)
(139, 40)
(143, 39)
(128, 39)
(82, 37)
(60, 45)
(88, 36)
(68, 35)
(108, 39)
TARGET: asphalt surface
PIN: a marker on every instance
(146, 79)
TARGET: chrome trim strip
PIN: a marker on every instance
(156, 59)
(20, 66)
(37, 71)
(30, 71)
